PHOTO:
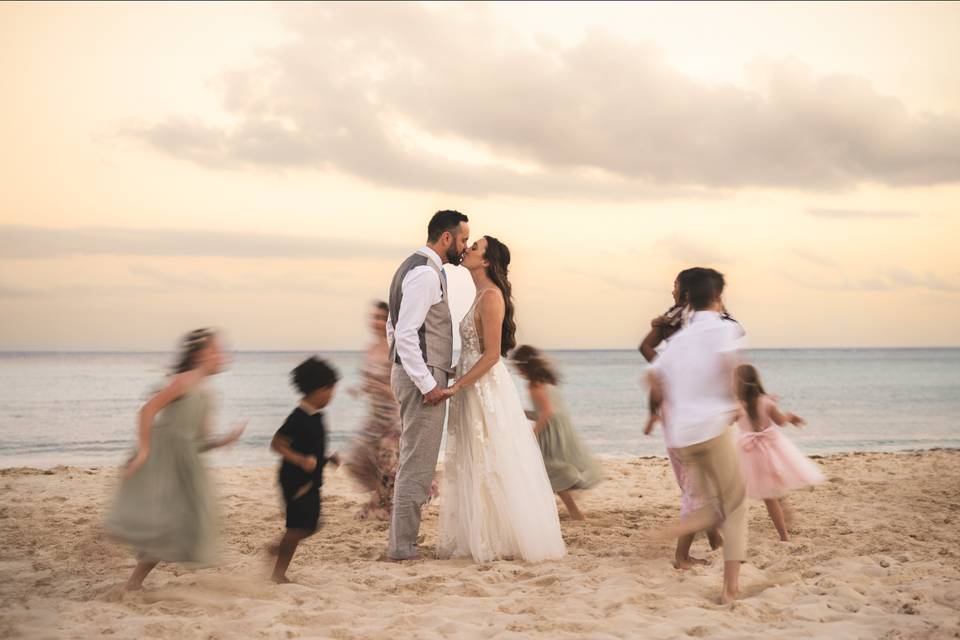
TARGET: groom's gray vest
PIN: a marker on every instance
(436, 334)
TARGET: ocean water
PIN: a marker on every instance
(80, 408)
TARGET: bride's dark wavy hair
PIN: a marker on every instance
(497, 256)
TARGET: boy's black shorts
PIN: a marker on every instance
(303, 511)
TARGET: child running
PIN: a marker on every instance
(302, 443)
(165, 506)
(771, 464)
(569, 465)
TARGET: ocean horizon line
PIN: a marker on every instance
(23, 352)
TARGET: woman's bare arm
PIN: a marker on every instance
(491, 310)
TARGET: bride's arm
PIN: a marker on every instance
(491, 319)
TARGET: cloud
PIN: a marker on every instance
(893, 279)
(152, 282)
(19, 241)
(10, 291)
(444, 98)
(859, 214)
(690, 251)
(926, 280)
(250, 282)
(629, 284)
(815, 258)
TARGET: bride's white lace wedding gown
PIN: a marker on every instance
(496, 500)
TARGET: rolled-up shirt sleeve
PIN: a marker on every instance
(389, 330)
(421, 290)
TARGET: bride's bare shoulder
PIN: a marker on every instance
(491, 301)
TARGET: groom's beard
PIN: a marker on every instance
(453, 257)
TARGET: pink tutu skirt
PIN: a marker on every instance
(772, 465)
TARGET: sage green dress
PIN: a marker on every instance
(569, 464)
(166, 510)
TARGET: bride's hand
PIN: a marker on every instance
(450, 391)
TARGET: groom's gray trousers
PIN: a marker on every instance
(420, 433)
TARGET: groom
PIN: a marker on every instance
(420, 334)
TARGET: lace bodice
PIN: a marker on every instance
(471, 347)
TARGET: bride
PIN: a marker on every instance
(497, 501)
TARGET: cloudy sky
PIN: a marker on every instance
(264, 167)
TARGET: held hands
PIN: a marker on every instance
(437, 395)
(434, 396)
(450, 391)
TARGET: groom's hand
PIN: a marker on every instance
(434, 396)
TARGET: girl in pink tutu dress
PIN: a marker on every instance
(772, 465)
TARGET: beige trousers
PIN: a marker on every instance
(714, 467)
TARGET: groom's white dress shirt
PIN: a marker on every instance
(421, 290)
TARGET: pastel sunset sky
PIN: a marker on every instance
(265, 167)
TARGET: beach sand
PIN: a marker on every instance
(874, 555)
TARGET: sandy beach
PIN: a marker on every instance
(874, 555)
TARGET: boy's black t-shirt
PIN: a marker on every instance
(307, 435)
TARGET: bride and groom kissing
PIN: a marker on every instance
(497, 501)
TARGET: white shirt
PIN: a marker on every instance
(696, 370)
(421, 290)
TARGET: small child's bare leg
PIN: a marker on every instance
(572, 508)
(715, 538)
(731, 581)
(285, 550)
(143, 568)
(683, 559)
(776, 514)
(651, 423)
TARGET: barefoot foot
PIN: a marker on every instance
(689, 562)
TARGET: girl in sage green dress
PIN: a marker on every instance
(164, 507)
(569, 465)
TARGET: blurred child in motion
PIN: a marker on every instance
(771, 464)
(570, 466)
(302, 444)
(165, 506)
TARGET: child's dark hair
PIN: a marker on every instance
(312, 374)
(533, 366)
(749, 390)
(381, 306)
(681, 280)
(701, 286)
(190, 345)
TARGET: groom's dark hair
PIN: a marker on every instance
(443, 221)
